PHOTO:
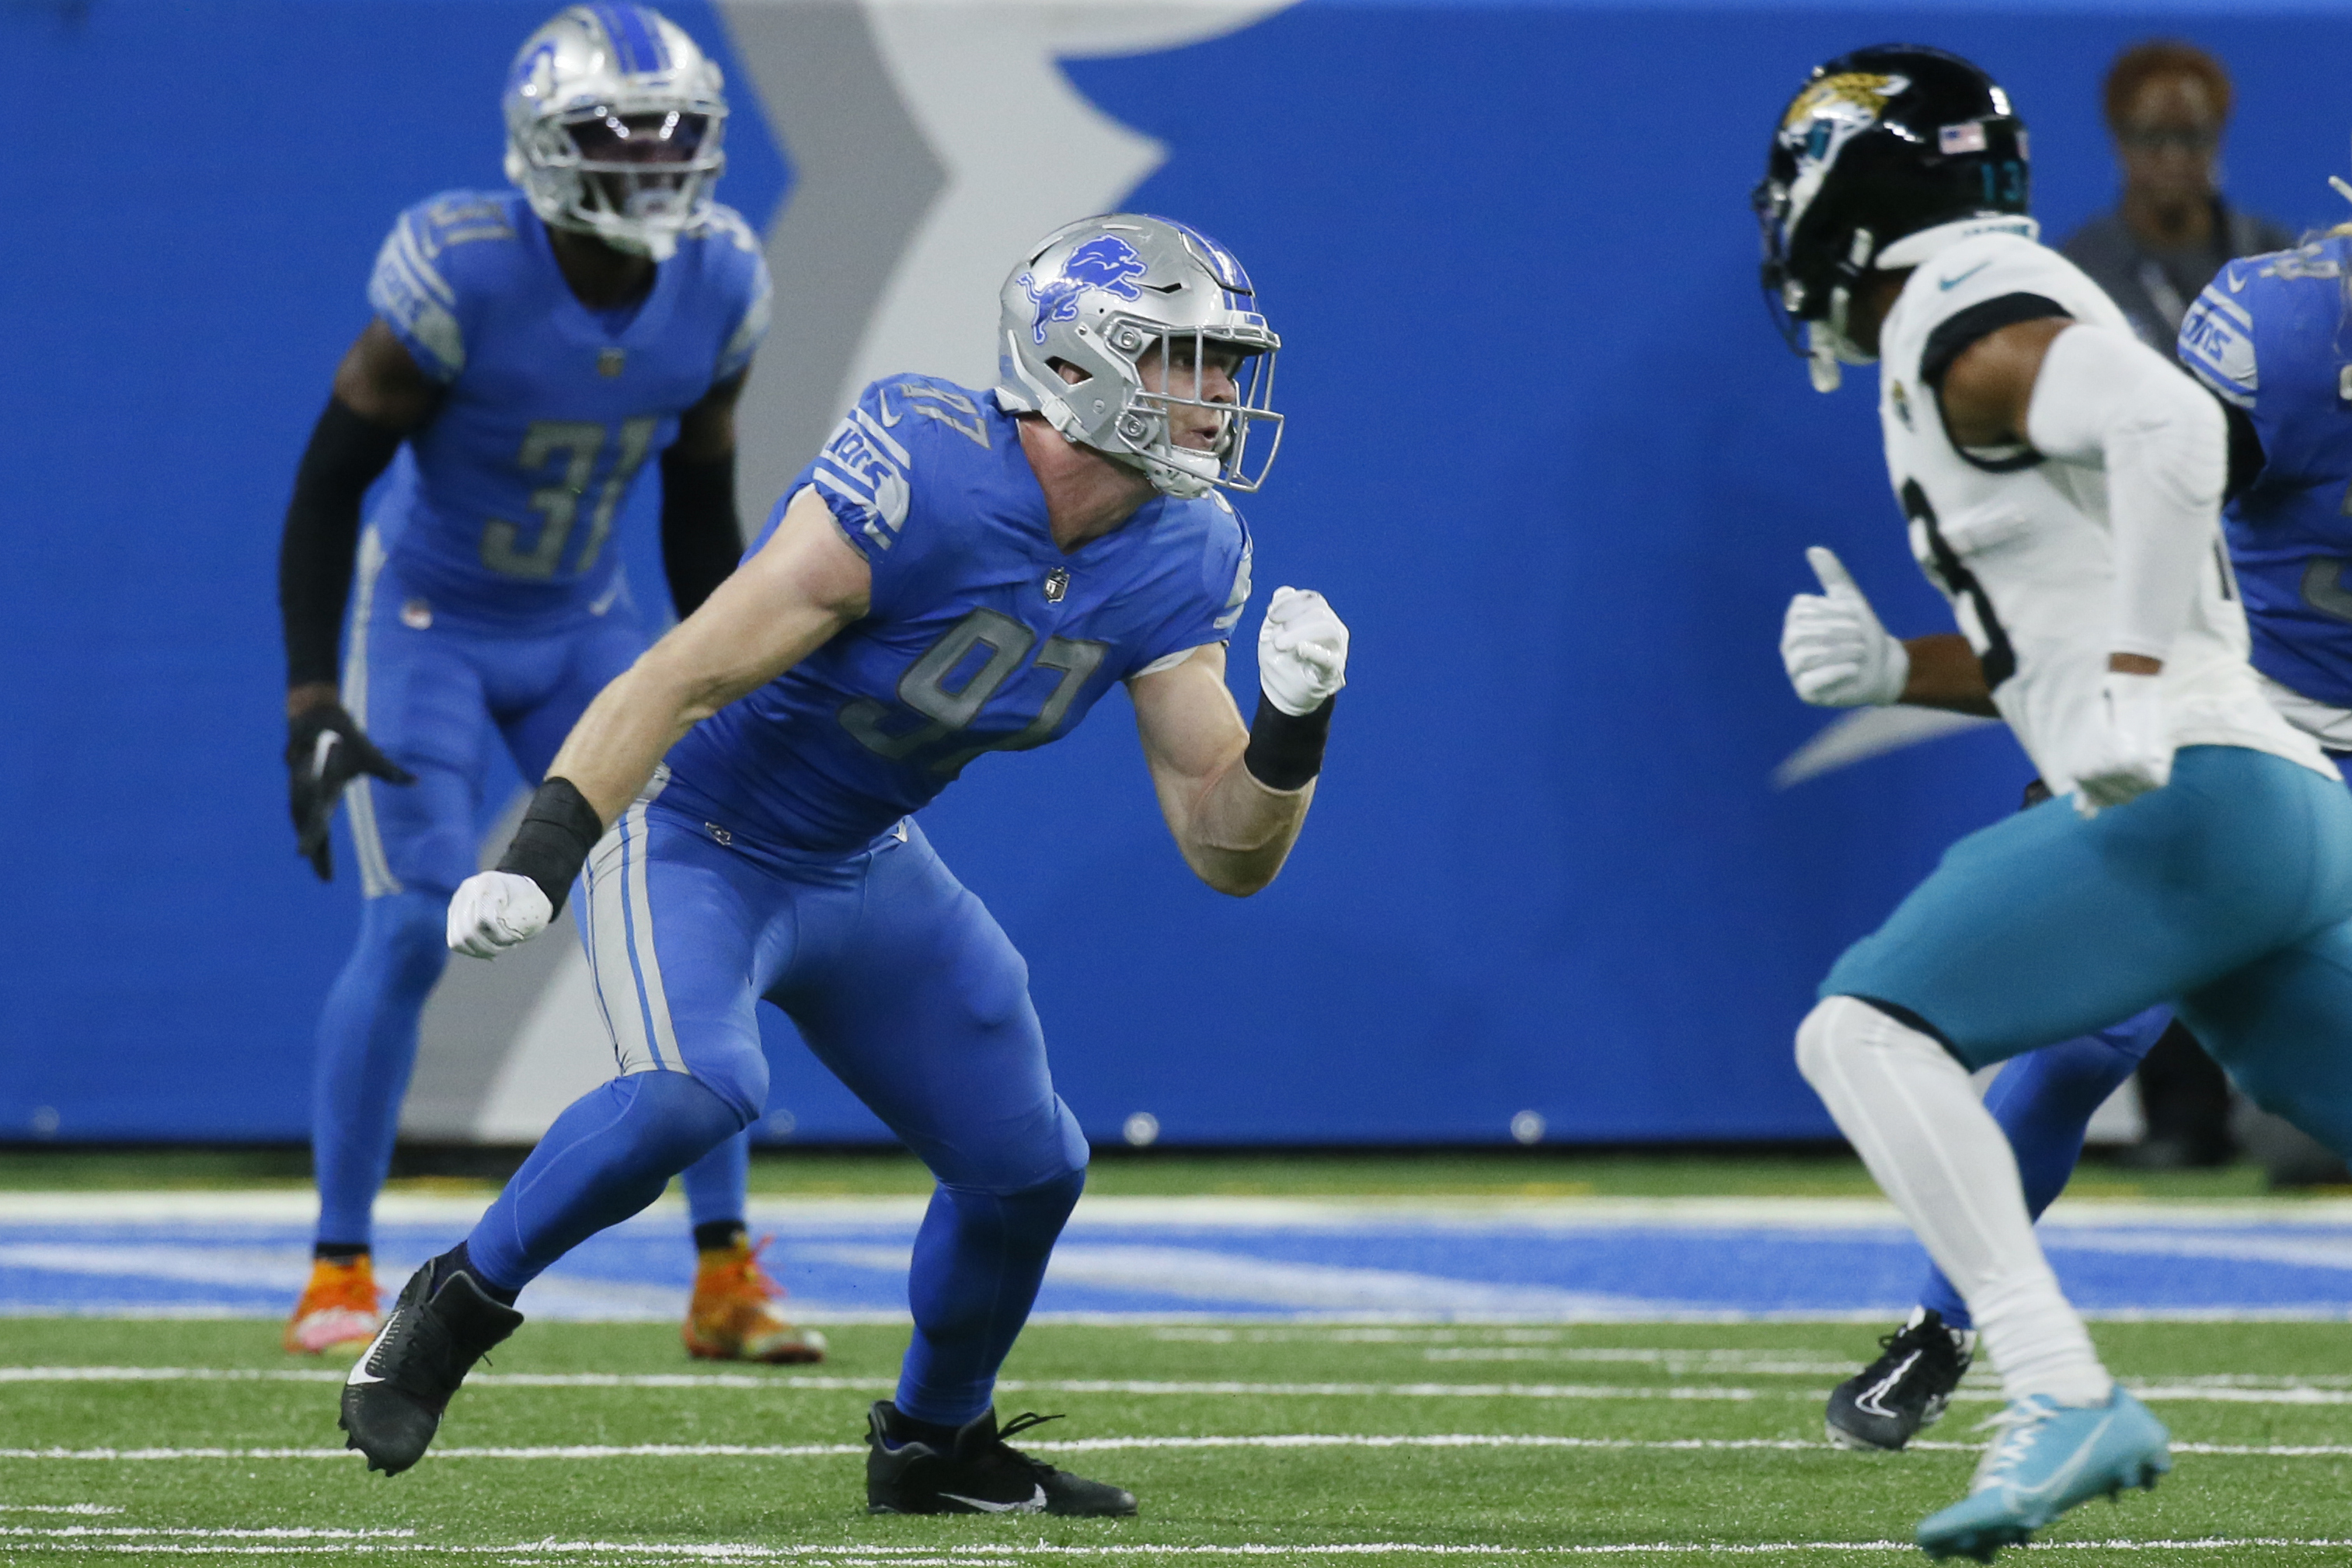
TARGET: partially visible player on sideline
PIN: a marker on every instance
(959, 571)
(2267, 339)
(531, 350)
(2063, 484)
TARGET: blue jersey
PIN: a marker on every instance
(500, 510)
(982, 634)
(2272, 335)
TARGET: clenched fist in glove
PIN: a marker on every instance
(1302, 651)
(494, 911)
(1837, 654)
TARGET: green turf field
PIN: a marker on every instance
(1669, 1444)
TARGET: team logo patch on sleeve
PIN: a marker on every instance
(2217, 343)
(864, 466)
(1109, 264)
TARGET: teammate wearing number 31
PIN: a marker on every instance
(2063, 483)
(958, 572)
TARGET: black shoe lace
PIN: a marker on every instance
(1023, 1422)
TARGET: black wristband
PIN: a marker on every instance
(1285, 749)
(559, 829)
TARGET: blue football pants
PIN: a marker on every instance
(900, 982)
(2228, 892)
(437, 696)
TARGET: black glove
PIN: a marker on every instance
(326, 750)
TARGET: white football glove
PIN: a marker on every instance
(1837, 654)
(1302, 650)
(494, 911)
(2127, 750)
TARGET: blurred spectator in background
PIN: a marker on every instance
(2167, 104)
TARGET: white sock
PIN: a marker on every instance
(1909, 1112)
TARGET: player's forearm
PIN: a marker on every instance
(1239, 830)
(1946, 673)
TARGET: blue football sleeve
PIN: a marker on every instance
(1209, 594)
(411, 289)
(2217, 339)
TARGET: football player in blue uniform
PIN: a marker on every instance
(958, 572)
(2268, 337)
(531, 350)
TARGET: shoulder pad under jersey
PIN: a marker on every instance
(733, 259)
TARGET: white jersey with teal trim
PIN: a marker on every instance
(2019, 544)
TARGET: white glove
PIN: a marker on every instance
(2128, 751)
(1837, 654)
(495, 911)
(1302, 651)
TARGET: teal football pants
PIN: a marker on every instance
(2226, 892)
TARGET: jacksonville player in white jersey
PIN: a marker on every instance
(959, 571)
(2062, 483)
(2267, 338)
(530, 349)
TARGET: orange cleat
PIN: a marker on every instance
(733, 1315)
(337, 1311)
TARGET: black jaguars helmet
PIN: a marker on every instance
(1880, 144)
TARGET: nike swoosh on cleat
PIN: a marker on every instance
(1870, 1400)
(360, 1376)
(1033, 1504)
(1950, 283)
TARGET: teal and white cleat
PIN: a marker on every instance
(2048, 1457)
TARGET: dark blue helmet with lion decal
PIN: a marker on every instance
(1881, 153)
(1098, 297)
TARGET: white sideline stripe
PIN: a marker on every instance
(300, 1206)
(869, 1384)
(2226, 1390)
(1113, 1444)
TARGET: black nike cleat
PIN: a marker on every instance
(401, 1383)
(979, 1473)
(1904, 1392)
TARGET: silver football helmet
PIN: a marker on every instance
(614, 122)
(1100, 296)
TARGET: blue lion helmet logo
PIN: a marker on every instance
(1108, 263)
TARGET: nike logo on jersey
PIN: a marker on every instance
(882, 401)
(2237, 283)
(1948, 284)
(1035, 1503)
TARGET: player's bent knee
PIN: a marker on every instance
(739, 1077)
(695, 1116)
(1840, 1029)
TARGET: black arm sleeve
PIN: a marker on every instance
(701, 538)
(322, 533)
(2246, 458)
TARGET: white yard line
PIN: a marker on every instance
(911, 1557)
(1107, 1444)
